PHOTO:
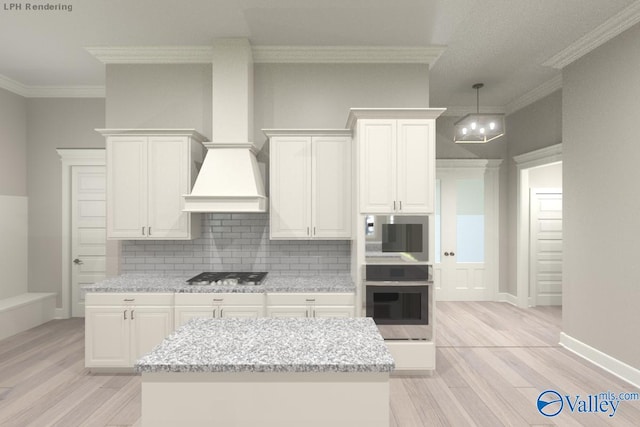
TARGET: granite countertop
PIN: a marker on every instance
(273, 283)
(271, 345)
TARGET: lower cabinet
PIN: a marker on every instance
(119, 328)
(189, 306)
(310, 305)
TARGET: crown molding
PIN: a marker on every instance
(13, 86)
(270, 54)
(459, 110)
(534, 95)
(152, 54)
(347, 54)
(552, 153)
(604, 32)
(51, 91)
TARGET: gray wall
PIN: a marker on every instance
(13, 144)
(536, 126)
(53, 123)
(159, 96)
(236, 242)
(320, 95)
(601, 277)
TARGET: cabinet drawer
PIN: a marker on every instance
(138, 299)
(207, 299)
(311, 298)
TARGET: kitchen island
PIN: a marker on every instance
(268, 372)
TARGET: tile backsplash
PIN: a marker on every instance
(236, 242)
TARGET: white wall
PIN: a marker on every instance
(320, 95)
(159, 96)
(53, 123)
(13, 191)
(13, 144)
(549, 176)
(13, 245)
(601, 153)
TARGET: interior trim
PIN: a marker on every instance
(608, 363)
(604, 32)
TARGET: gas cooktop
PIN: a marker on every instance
(225, 278)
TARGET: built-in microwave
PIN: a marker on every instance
(393, 239)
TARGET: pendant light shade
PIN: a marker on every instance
(479, 128)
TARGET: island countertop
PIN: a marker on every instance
(271, 345)
(178, 284)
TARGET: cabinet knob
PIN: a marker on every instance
(78, 261)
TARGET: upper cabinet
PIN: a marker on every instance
(148, 174)
(396, 159)
(310, 184)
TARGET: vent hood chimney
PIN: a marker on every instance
(230, 180)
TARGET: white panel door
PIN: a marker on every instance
(88, 231)
(126, 187)
(290, 184)
(107, 331)
(168, 178)
(150, 325)
(545, 266)
(459, 270)
(416, 166)
(377, 139)
(331, 187)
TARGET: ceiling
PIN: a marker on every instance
(502, 43)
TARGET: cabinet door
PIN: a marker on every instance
(241, 311)
(126, 187)
(290, 186)
(184, 314)
(416, 166)
(168, 164)
(331, 187)
(106, 337)
(333, 311)
(377, 141)
(149, 326)
(288, 311)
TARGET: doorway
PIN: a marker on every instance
(540, 169)
(84, 247)
(466, 230)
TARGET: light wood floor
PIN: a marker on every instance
(493, 360)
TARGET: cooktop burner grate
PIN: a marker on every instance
(228, 278)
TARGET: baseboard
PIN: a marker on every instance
(60, 314)
(507, 297)
(25, 311)
(614, 366)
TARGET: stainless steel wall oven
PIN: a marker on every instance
(397, 298)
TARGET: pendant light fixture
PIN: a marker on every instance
(479, 128)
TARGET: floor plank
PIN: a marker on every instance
(493, 360)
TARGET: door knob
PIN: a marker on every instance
(77, 261)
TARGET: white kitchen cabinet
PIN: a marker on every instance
(119, 328)
(148, 174)
(396, 159)
(212, 305)
(311, 305)
(310, 184)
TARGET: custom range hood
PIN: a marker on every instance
(230, 179)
